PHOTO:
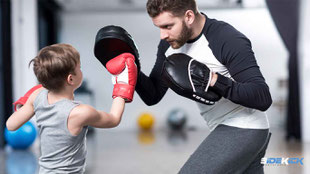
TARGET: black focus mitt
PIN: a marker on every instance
(112, 41)
(189, 78)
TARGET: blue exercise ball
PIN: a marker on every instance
(177, 119)
(22, 138)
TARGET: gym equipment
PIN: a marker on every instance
(112, 41)
(22, 138)
(124, 75)
(176, 119)
(145, 121)
(189, 78)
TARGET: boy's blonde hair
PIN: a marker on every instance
(54, 63)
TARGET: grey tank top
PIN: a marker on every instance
(61, 152)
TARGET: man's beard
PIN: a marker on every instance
(185, 35)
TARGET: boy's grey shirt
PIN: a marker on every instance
(61, 152)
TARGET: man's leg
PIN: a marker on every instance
(226, 150)
(256, 167)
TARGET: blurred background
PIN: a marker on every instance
(160, 138)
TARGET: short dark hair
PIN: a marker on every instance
(176, 7)
(53, 64)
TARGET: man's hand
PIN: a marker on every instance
(190, 78)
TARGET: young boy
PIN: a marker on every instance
(63, 122)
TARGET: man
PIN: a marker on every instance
(226, 67)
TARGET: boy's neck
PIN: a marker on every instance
(66, 93)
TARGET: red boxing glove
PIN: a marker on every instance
(124, 71)
(21, 101)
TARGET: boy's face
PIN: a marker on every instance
(78, 75)
(173, 29)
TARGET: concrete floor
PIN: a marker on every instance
(160, 152)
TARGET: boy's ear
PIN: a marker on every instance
(70, 79)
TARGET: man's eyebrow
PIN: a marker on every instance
(163, 25)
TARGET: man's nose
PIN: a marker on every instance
(163, 34)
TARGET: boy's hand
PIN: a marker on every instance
(124, 71)
(22, 100)
(24, 110)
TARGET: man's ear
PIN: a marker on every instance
(189, 17)
(70, 79)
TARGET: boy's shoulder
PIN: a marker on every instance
(82, 109)
(83, 112)
(34, 94)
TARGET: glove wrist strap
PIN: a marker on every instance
(124, 90)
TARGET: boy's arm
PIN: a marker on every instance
(22, 115)
(85, 115)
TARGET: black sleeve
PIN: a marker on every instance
(152, 89)
(248, 88)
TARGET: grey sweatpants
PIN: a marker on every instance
(229, 150)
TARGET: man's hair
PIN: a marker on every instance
(53, 64)
(176, 7)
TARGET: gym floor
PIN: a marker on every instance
(160, 152)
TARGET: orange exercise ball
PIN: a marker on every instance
(146, 121)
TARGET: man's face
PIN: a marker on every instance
(172, 29)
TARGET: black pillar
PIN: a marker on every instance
(48, 22)
(285, 14)
(5, 66)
